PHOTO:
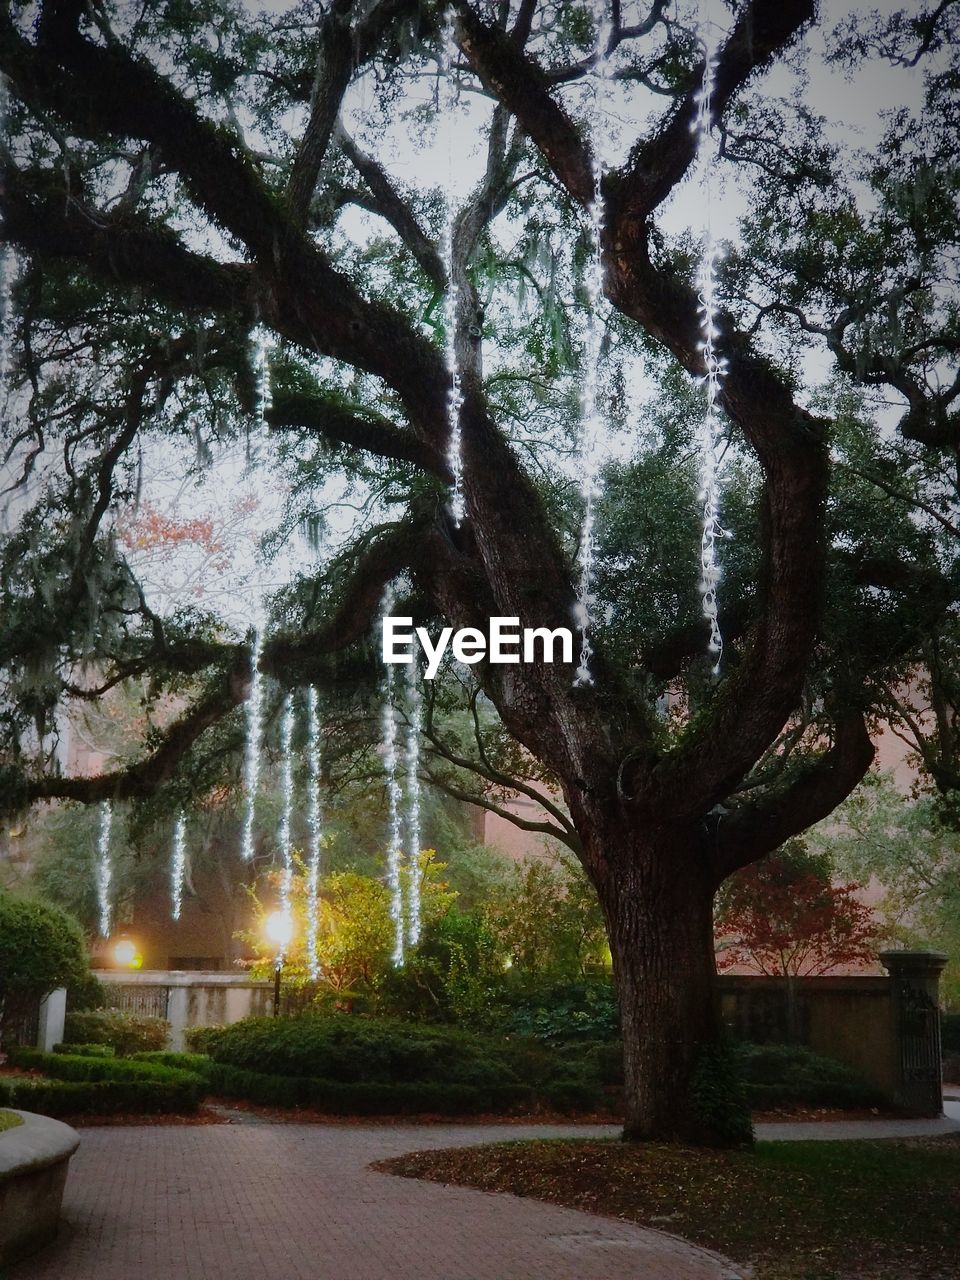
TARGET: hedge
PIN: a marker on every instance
(352, 1049)
(96, 1097)
(790, 1075)
(365, 1097)
(74, 1084)
(128, 1033)
(197, 1063)
(86, 1050)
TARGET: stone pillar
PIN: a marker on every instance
(915, 984)
(53, 1011)
(177, 1005)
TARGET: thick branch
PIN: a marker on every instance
(754, 830)
(339, 425)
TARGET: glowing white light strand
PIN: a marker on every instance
(314, 832)
(104, 867)
(593, 426)
(415, 713)
(178, 867)
(451, 297)
(286, 810)
(714, 367)
(8, 269)
(394, 797)
(251, 755)
(261, 372)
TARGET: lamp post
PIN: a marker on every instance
(126, 955)
(278, 926)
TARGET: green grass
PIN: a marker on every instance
(878, 1210)
(9, 1121)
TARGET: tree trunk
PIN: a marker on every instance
(658, 905)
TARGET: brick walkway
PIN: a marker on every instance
(297, 1202)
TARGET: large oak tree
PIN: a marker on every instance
(177, 174)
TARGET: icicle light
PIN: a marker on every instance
(261, 372)
(415, 714)
(593, 426)
(714, 366)
(251, 754)
(8, 267)
(451, 299)
(286, 809)
(178, 866)
(104, 867)
(314, 831)
(394, 797)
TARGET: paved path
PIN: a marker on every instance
(297, 1202)
(255, 1201)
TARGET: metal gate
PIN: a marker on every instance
(920, 1060)
(144, 1001)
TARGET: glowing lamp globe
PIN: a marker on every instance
(125, 953)
(278, 926)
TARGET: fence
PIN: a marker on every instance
(886, 1028)
(189, 999)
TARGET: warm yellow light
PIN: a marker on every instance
(124, 952)
(278, 926)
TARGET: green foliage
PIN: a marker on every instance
(101, 1097)
(547, 921)
(790, 1075)
(128, 1033)
(561, 1011)
(454, 975)
(86, 994)
(197, 1063)
(86, 1050)
(199, 1039)
(41, 948)
(718, 1098)
(370, 1097)
(9, 1121)
(906, 843)
(96, 1084)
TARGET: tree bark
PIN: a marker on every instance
(657, 899)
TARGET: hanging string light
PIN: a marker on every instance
(251, 755)
(415, 714)
(314, 832)
(260, 348)
(451, 298)
(178, 866)
(8, 268)
(714, 365)
(286, 809)
(593, 425)
(104, 867)
(394, 836)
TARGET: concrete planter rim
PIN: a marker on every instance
(36, 1144)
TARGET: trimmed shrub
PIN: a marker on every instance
(41, 948)
(779, 1075)
(128, 1033)
(196, 1063)
(86, 1050)
(353, 1049)
(366, 1097)
(76, 1067)
(97, 1097)
(198, 1039)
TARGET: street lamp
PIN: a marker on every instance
(126, 955)
(278, 926)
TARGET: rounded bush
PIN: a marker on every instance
(41, 948)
